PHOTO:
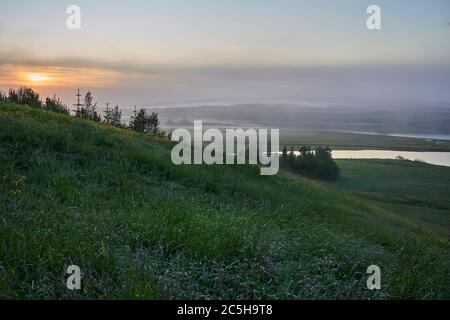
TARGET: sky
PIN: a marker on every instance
(174, 52)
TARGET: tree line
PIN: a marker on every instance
(317, 163)
(87, 109)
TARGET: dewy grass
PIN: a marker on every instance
(414, 191)
(110, 201)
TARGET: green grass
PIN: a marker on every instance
(352, 141)
(416, 191)
(111, 201)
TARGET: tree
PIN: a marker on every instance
(315, 164)
(153, 124)
(56, 105)
(78, 105)
(284, 155)
(3, 96)
(142, 122)
(107, 114)
(291, 157)
(306, 162)
(115, 117)
(26, 96)
(89, 109)
(327, 168)
(304, 150)
(137, 122)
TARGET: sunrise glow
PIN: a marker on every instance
(37, 77)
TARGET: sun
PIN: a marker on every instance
(37, 77)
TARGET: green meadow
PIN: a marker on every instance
(74, 192)
(415, 191)
(353, 141)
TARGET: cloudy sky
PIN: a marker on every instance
(168, 52)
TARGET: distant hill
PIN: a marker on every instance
(110, 201)
(386, 120)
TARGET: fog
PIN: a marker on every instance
(375, 85)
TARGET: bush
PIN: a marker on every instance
(56, 105)
(26, 96)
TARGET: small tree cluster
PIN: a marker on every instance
(31, 98)
(56, 105)
(88, 110)
(141, 122)
(113, 116)
(26, 96)
(146, 123)
(315, 164)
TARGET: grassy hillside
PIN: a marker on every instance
(110, 201)
(414, 190)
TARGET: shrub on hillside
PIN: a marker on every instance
(56, 105)
(26, 96)
(3, 96)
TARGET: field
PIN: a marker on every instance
(415, 191)
(111, 201)
(353, 141)
(347, 141)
